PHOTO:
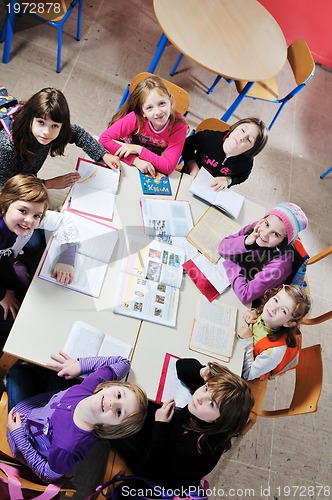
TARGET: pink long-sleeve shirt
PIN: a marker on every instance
(167, 143)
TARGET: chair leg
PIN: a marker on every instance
(79, 20)
(216, 81)
(326, 173)
(58, 62)
(175, 67)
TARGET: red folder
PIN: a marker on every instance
(201, 281)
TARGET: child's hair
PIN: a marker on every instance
(261, 139)
(302, 304)
(234, 400)
(132, 423)
(23, 187)
(138, 97)
(48, 101)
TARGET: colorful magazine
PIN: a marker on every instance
(156, 185)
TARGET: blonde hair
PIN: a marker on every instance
(23, 187)
(132, 423)
(138, 97)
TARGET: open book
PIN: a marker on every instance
(149, 281)
(166, 217)
(208, 232)
(94, 194)
(93, 254)
(170, 386)
(213, 331)
(85, 340)
(229, 201)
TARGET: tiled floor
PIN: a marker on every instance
(118, 41)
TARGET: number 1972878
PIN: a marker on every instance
(34, 8)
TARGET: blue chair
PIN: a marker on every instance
(326, 173)
(303, 67)
(50, 16)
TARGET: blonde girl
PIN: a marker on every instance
(272, 338)
(151, 131)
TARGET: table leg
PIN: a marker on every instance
(9, 32)
(159, 52)
(226, 116)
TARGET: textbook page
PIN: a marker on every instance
(95, 192)
(153, 260)
(228, 200)
(85, 340)
(166, 217)
(208, 232)
(170, 386)
(93, 254)
(145, 299)
(214, 328)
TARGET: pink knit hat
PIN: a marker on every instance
(292, 216)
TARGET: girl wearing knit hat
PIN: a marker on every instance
(261, 256)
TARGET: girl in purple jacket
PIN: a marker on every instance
(261, 255)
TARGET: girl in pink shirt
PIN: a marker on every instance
(147, 132)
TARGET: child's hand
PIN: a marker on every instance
(66, 366)
(127, 149)
(14, 420)
(219, 184)
(63, 273)
(63, 181)
(245, 332)
(193, 170)
(166, 412)
(252, 237)
(250, 316)
(204, 372)
(144, 166)
(112, 161)
(9, 304)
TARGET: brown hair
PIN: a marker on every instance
(234, 400)
(48, 101)
(132, 423)
(302, 307)
(138, 97)
(261, 139)
(23, 187)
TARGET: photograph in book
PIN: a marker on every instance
(153, 260)
(94, 251)
(166, 217)
(95, 192)
(85, 340)
(146, 300)
(170, 386)
(208, 232)
(159, 184)
(228, 200)
(214, 328)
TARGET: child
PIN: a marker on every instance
(41, 126)
(176, 448)
(152, 131)
(23, 208)
(272, 337)
(261, 255)
(228, 156)
(52, 432)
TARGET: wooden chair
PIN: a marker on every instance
(303, 68)
(28, 480)
(181, 96)
(212, 124)
(48, 14)
(308, 386)
(328, 315)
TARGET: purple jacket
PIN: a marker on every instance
(49, 441)
(273, 274)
